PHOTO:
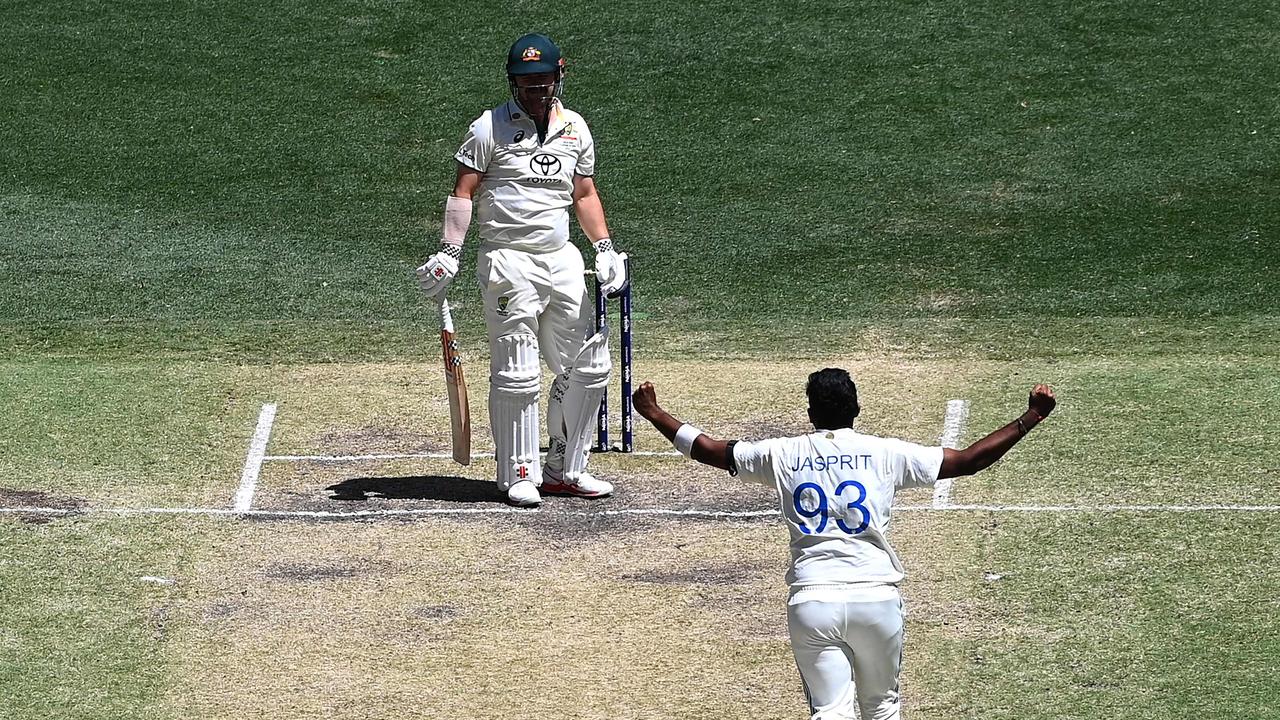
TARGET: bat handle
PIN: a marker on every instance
(446, 316)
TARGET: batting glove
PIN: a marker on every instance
(435, 275)
(611, 268)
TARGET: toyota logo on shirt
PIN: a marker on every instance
(545, 164)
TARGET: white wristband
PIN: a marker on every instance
(684, 439)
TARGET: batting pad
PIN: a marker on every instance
(513, 409)
(587, 383)
(555, 424)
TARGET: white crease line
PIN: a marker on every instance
(253, 462)
(952, 426)
(423, 456)
(636, 511)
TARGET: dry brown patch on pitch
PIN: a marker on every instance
(220, 610)
(435, 612)
(15, 498)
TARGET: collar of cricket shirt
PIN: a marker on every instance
(558, 124)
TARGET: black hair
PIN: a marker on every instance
(833, 399)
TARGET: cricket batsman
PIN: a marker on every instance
(836, 488)
(521, 167)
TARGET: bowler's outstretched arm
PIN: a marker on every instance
(705, 449)
(983, 453)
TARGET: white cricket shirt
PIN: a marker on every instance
(527, 188)
(835, 489)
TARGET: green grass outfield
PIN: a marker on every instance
(205, 207)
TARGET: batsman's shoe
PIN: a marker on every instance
(586, 485)
(524, 494)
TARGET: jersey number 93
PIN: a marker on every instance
(821, 510)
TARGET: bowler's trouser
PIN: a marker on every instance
(841, 641)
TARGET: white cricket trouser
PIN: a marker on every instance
(538, 294)
(534, 304)
(843, 643)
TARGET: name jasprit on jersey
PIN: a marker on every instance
(822, 463)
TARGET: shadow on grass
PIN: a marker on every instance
(419, 487)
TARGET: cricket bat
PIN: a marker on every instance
(456, 383)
